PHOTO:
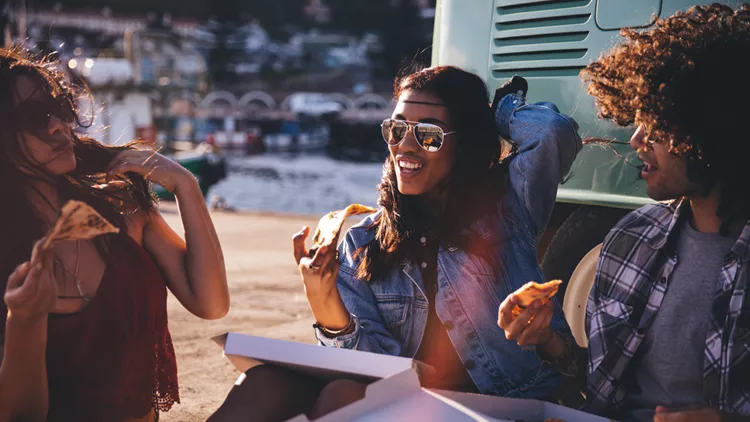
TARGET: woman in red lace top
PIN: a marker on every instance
(85, 337)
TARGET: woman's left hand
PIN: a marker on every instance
(152, 166)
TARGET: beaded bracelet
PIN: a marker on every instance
(336, 333)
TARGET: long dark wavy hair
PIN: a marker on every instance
(472, 188)
(687, 81)
(21, 223)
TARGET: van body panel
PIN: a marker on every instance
(548, 42)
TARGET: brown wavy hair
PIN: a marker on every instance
(687, 81)
(472, 188)
(21, 224)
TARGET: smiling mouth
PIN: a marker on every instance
(409, 168)
(647, 170)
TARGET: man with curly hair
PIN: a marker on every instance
(668, 318)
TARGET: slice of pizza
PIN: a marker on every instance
(77, 221)
(532, 291)
(330, 225)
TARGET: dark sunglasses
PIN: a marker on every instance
(429, 136)
(36, 114)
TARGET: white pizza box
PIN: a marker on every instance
(400, 398)
(395, 393)
(245, 351)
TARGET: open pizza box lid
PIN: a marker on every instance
(395, 393)
(245, 351)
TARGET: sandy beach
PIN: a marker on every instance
(267, 300)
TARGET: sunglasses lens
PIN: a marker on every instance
(32, 118)
(35, 115)
(63, 111)
(430, 137)
(394, 131)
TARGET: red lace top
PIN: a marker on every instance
(114, 360)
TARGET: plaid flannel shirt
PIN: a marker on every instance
(632, 276)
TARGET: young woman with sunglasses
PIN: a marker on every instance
(456, 233)
(84, 331)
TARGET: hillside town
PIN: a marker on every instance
(156, 77)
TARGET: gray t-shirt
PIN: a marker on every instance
(667, 370)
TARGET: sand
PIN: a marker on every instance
(267, 299)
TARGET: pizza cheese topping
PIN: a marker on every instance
(330, 225)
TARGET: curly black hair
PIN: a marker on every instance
(687, 81)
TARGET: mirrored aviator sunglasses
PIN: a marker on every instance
(429, 136)
(36, 114)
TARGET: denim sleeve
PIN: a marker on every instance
(548, 142)
(370, 334)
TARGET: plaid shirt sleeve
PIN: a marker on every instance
(608, 319)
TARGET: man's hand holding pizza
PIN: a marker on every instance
(531, 327)
(525, 316)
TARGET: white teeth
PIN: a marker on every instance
(409, 165)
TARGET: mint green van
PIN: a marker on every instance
(548, 42)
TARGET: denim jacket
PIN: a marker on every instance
(391, 313)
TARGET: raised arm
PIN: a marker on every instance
(548, 142)
(194, 267)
